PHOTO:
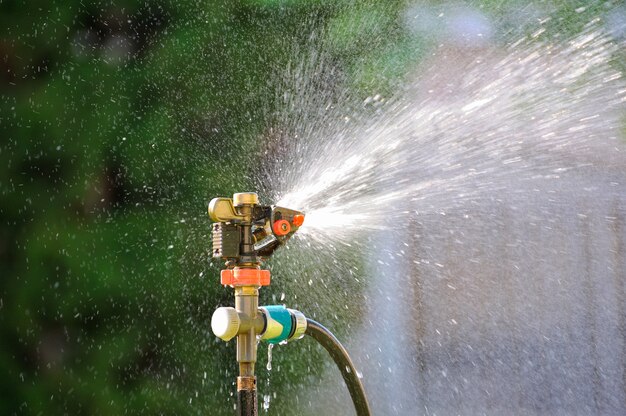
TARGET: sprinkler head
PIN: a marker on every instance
(246, 232)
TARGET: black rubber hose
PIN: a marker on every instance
(339, 354)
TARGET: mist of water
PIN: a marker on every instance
(477, 123)
(485, 200)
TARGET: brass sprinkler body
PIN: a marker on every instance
(244, 233)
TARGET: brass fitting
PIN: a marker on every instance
(245, 198)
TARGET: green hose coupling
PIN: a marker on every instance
(282, 324)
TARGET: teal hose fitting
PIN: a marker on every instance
(282, 324)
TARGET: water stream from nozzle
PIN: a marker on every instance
(528, 124)
(474, 125)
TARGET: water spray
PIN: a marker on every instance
(244, 234)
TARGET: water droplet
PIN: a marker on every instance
(270, 347)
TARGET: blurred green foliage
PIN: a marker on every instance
(118, 122)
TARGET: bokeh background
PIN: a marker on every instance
(119, 121)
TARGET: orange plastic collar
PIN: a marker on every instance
(245, 277)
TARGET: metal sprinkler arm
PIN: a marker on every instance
(245, 233)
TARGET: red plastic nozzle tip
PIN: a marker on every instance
(281, 227)
(298, 220)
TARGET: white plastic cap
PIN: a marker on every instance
(225, 323)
